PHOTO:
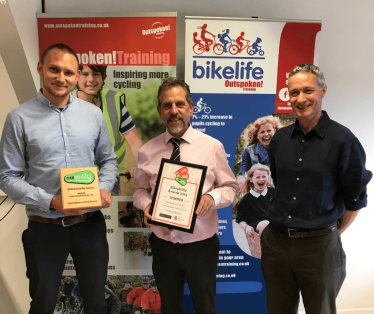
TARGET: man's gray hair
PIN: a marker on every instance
(309, 68)
(173, 82)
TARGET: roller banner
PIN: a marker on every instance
(238, 70)
(129, 56)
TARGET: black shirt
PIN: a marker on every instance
(253, 209)
(317, 176)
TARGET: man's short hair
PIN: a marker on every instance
(96, 68)
(310, 68)
(62, 47)
(172, 82)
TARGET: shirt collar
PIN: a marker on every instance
(259, 148)
(44, 100)
(256, 195)
(187, 136)
(320, 128)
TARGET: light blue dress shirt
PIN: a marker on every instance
(38, 139)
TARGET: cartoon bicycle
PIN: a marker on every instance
(199, 48)
(201, 106)
(226, 40)
(256, 48)
(260, 52)
(235, 49)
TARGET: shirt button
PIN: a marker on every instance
(300, 159)
(303, 141)
(297, 179)
(64, 133)
(294, 197)
(289, 216)
(67, 154)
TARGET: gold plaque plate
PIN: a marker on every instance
(80, 188)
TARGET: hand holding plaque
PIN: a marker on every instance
(177, 195)
(80, 188)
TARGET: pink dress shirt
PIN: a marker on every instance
(197, 148)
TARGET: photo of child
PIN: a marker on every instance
(252, 210)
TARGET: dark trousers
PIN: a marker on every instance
(47, 247)
(314, 266)
(197, 262)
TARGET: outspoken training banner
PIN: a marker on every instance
(238, 70)
(130, 56)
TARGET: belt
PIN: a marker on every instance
(294, 233)
(63, 221)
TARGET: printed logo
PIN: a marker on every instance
(223, 43)
(283, 94)
(83, 177)
(175, 218)
(157, 29)
(165, 216)
(200, 106)
(182, 176)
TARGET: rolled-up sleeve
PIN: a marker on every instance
(353, 176)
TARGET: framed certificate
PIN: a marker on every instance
(177, 194)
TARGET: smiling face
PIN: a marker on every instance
(265, 133)
(175, 111)
(260, 179)
(154, 288)
(60, 74)
(306, 96)
(90, 81)
(145, 286)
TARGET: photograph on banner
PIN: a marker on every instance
(120, 73)
(136, 293)
(123, 294)
(129, 216)
(252, 170)
(69, 298)
(138, 253)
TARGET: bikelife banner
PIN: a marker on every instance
(238, 72)
(134, 53)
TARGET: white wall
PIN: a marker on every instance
(346, 57)
(14, 296)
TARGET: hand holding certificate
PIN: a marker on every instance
(177, 195)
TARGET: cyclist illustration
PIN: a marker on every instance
(200, 47)
(256, 48)
(223, 37)
(240, 40)
(202, 106)
(239, 47)
(195, 40)
(207, 41)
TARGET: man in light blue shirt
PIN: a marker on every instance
(56, 130)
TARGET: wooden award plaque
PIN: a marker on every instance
(80, 188)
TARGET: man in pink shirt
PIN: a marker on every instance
(178, 255)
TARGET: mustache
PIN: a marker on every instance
(174, 116)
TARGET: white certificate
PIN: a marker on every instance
(177, 195)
